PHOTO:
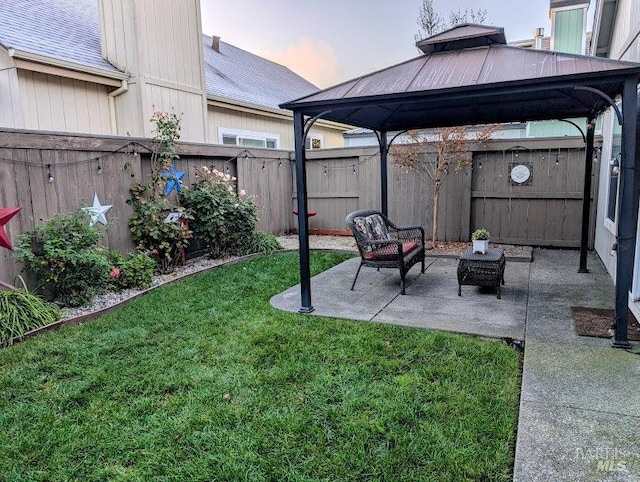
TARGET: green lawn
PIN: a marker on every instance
(204, 381)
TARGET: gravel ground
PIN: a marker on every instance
(287, 242)
(348, 243)
(320, 242)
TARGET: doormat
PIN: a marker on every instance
(597, 322)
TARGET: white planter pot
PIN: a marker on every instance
(480, 246)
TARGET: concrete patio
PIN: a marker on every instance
(579, 409)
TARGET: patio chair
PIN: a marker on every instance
(382, 244)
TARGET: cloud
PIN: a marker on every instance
(314, 60)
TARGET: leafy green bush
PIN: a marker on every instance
(64, 256)
(21, 312)
(226, 221)
(264, 243)
(132, 271)
(164, 240)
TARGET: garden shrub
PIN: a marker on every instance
(165, 241)
(226, 221)
(65, 258)
(262, 242)
(132, 271)
(21, 312)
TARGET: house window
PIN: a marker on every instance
(614, 171)
(313, 142)
(233, 137)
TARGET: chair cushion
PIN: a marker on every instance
(377, 227)
(389, 253)
(363, 228)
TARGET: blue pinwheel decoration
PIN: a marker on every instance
(173, 177)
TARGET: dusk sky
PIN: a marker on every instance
(330, 41)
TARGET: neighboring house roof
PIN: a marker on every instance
(60, 29)
(236, 74)
(68, 30)
(530, 43)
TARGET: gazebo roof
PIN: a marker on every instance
(470, 76)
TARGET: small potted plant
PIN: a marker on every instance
(480, 238)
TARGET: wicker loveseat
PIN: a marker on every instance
(382, 244)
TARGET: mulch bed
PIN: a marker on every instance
(597, 322)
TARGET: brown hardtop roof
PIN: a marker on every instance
(463, 36)
(487, 83)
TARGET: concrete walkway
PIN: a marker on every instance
(579, 409)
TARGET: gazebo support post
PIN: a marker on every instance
(628, 214)
(384, 150)
(303, 220)
(586, 199)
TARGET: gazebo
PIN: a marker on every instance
(469, 75)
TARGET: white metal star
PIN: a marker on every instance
(97, 211)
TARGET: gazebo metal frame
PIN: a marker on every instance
(468, 75)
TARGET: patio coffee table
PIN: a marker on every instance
(479, 269)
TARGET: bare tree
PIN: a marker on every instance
(460, 16)
(430, 22)
(453, 147)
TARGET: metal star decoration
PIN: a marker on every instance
(97, 211)
(173, 178)
(5, 215)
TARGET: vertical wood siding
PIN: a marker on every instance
(169, 41)
(155, 39)
(178, 101)
(55, 103)
(10, 107)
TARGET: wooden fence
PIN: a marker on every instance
(546, 211)
(47, 174)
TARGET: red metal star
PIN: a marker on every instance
(5, 215)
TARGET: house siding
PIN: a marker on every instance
(624, 42)
(54, 103)
(10, 108)
(231, 119)
(162, 50)
(624, 45)
(605, 232)
(161, 43)
(569, 31)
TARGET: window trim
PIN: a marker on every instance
(266, 137)
(612, 224)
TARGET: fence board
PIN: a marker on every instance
(548, 210)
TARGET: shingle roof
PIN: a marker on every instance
(69, 30)
(236, 74)
(62, 29)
